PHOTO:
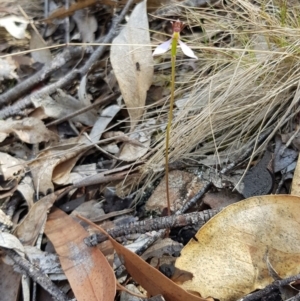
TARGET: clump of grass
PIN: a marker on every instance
(247, 80)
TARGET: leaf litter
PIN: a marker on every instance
(229, 105)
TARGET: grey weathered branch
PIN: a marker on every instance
(269, 289)
(148, 225)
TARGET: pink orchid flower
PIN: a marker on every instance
(177, 26)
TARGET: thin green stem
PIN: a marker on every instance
(173, 62)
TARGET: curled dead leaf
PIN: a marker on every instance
(30, 130)
(10, 167)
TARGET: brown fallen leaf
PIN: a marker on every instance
(28, 230)
(8, 188)
(148, 277)
(229, 259)
(86, 24)
(138, 142)
(87, 270)
(43, 55)
(10, 166)
(52, 106)
(30, 130)
(46, 165)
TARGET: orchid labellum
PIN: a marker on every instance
(164, 47)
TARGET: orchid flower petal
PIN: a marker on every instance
(187, 50)
(162, 48)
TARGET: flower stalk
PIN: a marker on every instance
(160, 49)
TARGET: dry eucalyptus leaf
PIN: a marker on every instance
(90, 209)
(228, 260)
(111, 148)
(10, 280)
(10, 167)
(83, 96)
(44, 55)
(30, 130)
(124, 296)
(51, 28)
(132, 62)
(102, 122)
(87, 269)
(56, 163)
(284, 156)
(17, 150)
(82, 171)
(62, 104)
(7, 69)
(26, 189)
(87, 25)
(130, 152)
(9, 241)
(61, 172)
(28, 230)
(8, 188)
(222, 198)
(142, 136)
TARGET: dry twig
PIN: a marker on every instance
(271, 288)
(154, 224)
(30, 270)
